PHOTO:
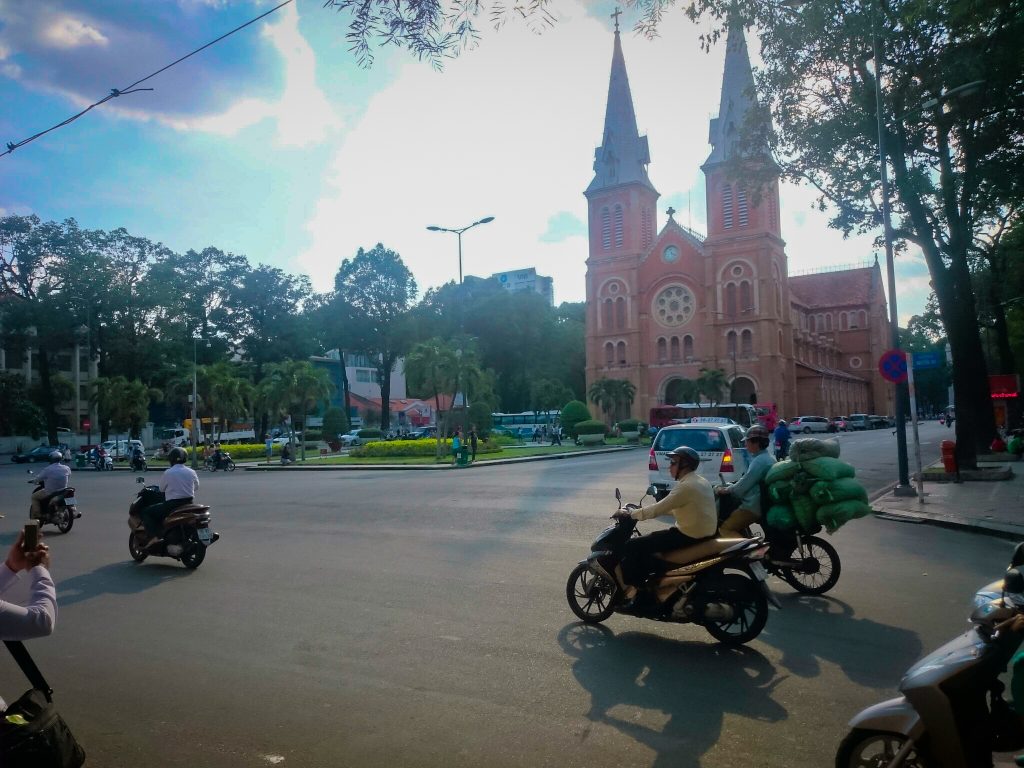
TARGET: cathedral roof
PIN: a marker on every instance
(828, 372)
(623, 155)
(841, 288)
(737, 101)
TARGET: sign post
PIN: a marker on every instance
(893, 367)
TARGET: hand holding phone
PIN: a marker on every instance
(31, 538)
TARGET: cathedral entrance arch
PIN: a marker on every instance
(677, 390)
(743, 390)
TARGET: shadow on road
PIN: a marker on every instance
(123, 578)
(826, 629)
(694, 684)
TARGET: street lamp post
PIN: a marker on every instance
(195, 398)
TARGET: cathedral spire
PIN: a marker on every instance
(738, 98)
(623, 155)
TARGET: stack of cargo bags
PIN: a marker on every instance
(813, 488)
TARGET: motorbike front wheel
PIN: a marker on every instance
(862, 749)
(820, 569)
(749, 606)
(65, 520)
(136, 551)
(591, 596)
(230, 466)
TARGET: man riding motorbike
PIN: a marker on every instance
(747, 490)
(138, 458)
(782, 437)
(691, 502)
(179, 485)
(54, 479)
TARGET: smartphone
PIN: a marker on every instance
(31, 536)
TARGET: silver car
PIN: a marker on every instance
(808, 424)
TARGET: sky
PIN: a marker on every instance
(276, 144)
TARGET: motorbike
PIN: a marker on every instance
(213, 463)
(102, 462)
(60, 509)
(951, 712)
(718, 584)
(139, 463)
(185, 535)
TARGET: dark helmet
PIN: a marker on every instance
(758, 433)
(686, 456)
(177, 456)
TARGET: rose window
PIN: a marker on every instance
(674, 305)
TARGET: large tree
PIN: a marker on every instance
(954, 162)
(378, 290)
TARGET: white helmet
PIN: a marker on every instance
(55, 456)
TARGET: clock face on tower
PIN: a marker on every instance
(674, 305)
(670, 255)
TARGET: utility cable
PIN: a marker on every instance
(115, 92)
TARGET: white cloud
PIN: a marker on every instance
(69, 32)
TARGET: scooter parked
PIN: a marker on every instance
(718, 584)
(951, 713)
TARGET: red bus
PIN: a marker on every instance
(663, 415)
(767, 415)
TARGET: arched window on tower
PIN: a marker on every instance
(747, 344)
(730, 300)
(828, 322)
(863, 319)
(606, 228)
(742, 214)
(730, 343)
(646, 227)
(810, 323)
(609, 354)
(606, 314)
(746, 297)
(617, 226)
(620, 313)
(675, 348)
(727, 207)
(844, 321)
(688, 348)
(621, 352)
(662, 350)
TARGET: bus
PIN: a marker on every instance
(768, 415)
(662, 415)
(518, 423)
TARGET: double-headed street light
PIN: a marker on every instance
(458, 232)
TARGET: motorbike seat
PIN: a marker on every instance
(699, 551)
(189, 509)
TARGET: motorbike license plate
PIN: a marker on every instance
(759, 571)
(72, 502)
(204, 535)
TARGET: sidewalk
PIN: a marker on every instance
(991, 507)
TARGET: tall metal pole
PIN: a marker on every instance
(903, 487)
(195, 392)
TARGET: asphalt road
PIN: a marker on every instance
(419, 619)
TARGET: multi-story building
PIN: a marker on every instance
(527, 280)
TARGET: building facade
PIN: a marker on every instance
(527, 280)
(665, 303)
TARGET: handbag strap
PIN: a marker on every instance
(28, 666)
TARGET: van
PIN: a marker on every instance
(859, 421)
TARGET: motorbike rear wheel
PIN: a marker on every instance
(137, 553)
(749, 605)
(194, 553)
(65, 520)
(865, 749)
(591, 596)
(821, 571)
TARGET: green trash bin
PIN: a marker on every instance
(462, 458)
(79, 461)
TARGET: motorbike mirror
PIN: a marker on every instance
(1013, 582)
(652, 490)
(30, 471)
(140, 479)
(1018, 556)
(618, 495)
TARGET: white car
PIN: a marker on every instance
(122, 448)
(720, 445)
(808, 424)
(351, 439)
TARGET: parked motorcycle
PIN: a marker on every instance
(224, 461)
(951, 712)
(60, 509)
(718, 584)
(185, 535)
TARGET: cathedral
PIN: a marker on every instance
(664, 303)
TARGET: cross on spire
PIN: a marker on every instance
(616, 17)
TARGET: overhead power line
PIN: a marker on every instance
(115, 92)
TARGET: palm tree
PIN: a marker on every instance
(625, 393)
(433, 364)
(310, 385)
(711, 383)
(291, 387)
(603, 394)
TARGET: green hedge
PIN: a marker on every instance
(591, 427)
(629, 425)
(395, 448)
(251, 451)
(573, 413)
(370, 433)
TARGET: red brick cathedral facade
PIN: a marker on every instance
(664, 303)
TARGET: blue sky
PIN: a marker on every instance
(276, 144)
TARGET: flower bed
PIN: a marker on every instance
(396, 448)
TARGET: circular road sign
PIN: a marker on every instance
(893, 366)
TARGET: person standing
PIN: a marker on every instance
(472, 441)
(269, 445)
(456, 445)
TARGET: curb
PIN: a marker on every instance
(430, 467)
(995, 530)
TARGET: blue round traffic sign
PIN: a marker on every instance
(893, 366)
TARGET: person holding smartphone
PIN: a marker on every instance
(38, 618)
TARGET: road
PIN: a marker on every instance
(419, 619)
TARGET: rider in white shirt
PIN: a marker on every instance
(54, 478)
(179, 484)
